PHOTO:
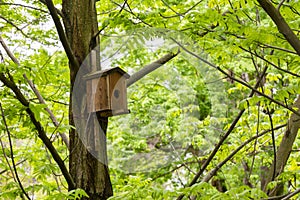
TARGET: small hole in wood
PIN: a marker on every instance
(117, 93)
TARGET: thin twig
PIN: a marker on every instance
(131, 12)
(219, 165)
(277, 48)
(22, 5)
(12, 153)
(5, 170)
(54, 175)
(106, 25)
(229, 131)
(52, 117)
(272, 64)
(280, 4)
(40, 129)
(240, 81)
(273, 143)
(15, 26)
(166, 4)
(7, 161)
(174, 169)
(255, 142)
(182, 14)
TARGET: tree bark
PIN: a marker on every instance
(80, 22)
(281, 24)
(284, 149)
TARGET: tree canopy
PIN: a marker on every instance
(214, 99)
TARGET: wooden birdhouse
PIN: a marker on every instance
(107, 92)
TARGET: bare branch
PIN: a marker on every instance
(253, 91)
(150, 67)
(291, 194)
(15, 26)
(54, 175)
(281, 24)
(182, 14)
(131, 12)
(280, 4)
(166, 4)
(52, 117)
(19, 163)
(9, 53)
(277, 48)
(12, 153)
(285, 147)
(24, 6)
(273, 144)
(7, 161)
(106, 25)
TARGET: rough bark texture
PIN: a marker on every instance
(284, 149)
(80, 21)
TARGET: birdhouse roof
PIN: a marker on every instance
(106, 72)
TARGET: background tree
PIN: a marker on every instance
(251, 151)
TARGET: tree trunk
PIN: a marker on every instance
(80, 21)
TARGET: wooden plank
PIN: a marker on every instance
(101, 96)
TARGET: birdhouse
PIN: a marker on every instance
(107, 92)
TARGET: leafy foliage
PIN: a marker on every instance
(178, 112)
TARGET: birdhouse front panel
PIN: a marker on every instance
(118, 94)
(107, 92)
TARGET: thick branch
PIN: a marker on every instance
(150, 68)
(281, 24)
(41, 132)
(285, 146)
(62, 35)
